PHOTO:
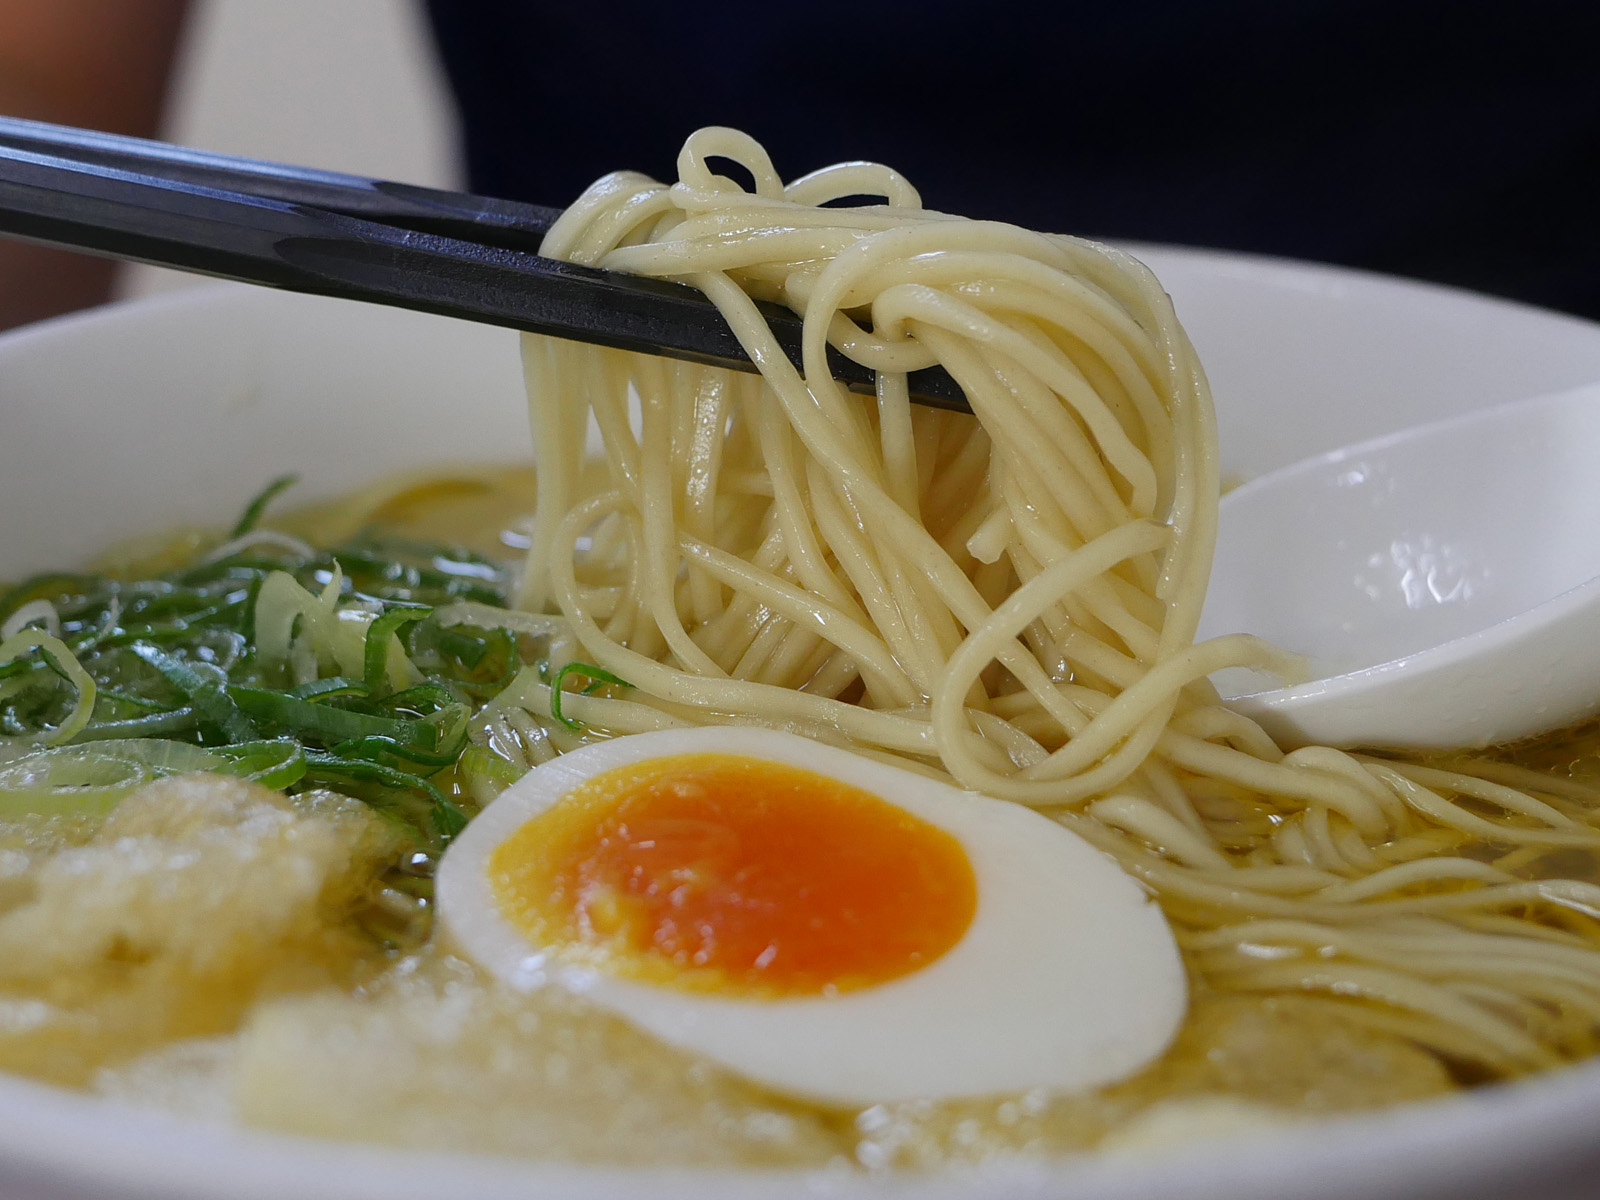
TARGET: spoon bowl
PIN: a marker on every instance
(1443, 582)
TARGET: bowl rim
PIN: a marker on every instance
(1505, 1131)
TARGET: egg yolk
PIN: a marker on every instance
(735, 875)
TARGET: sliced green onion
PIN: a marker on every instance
(157, 755)
(485, 774)
(326, 722)
(253, 512)
(209, 697)
(430, 696)
(53, 586)
(91, 780)
(276, 764)
(177, 720)
(446, 818)
(237, 545)
(332, 688)
(376, 652)
(118, 696)
(231, 647)
(451, 722)
(27, 614)
(53, 665)
(280, 603)
(68, 781)
(467, 650)
(63, 661)
(599, 675)
(450, 736)
(390, 752)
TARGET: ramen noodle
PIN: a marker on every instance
(1004, 600)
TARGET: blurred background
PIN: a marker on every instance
(350, 85)
(1450, 140)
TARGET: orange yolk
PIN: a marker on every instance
(721, 873)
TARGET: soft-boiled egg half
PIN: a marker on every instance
(829, 926)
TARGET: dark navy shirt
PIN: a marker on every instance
(1454, 140)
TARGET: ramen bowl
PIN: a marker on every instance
(173, 411)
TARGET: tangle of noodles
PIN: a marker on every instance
(1010, 598)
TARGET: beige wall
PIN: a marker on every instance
(349, 85)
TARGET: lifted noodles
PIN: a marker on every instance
(1008, 599)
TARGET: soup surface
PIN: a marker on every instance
(223, 948)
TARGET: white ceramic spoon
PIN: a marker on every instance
(1444, 581)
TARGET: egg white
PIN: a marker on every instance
(1067, 978)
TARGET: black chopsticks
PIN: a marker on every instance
(361, 239)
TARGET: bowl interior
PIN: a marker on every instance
(175, 410)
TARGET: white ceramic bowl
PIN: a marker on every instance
(175, 410)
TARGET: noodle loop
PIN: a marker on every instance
(1008, 598)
